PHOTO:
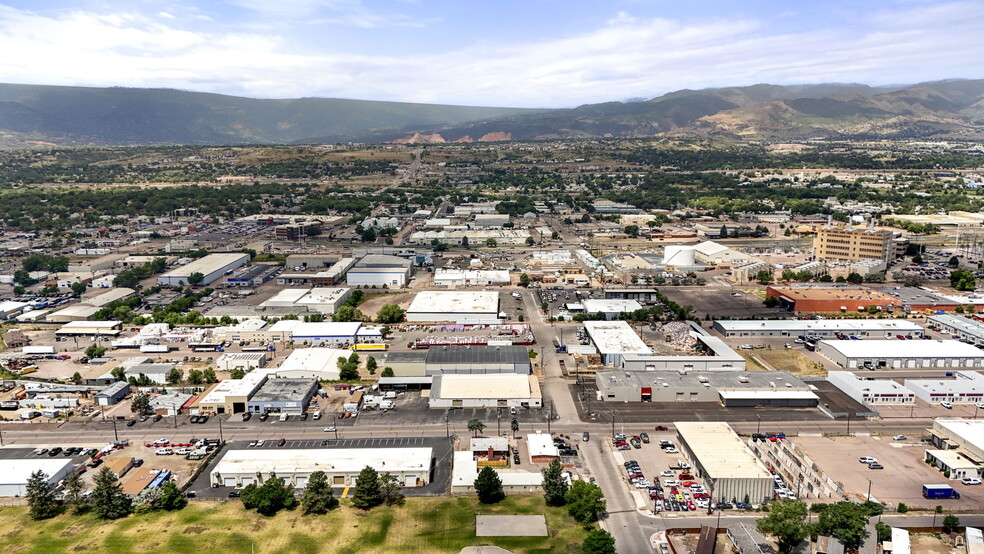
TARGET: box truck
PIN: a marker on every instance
(939, 491)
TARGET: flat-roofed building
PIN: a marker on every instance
(313, 363)
(485, 391)
(924, 354)
(231, 396)
(838, 243)
(477, 360)
(470, 278)
(379, 270)
(615, 339)
(314, 300)
(212, 267)
(728, 388)
(239, 468)
(877, 391)
(610, 308)
(724, 461)
(90, 328)
(241, 360)
(958, 437)
(715, 355)
(407, 364)
(542, 448)
(960, 328)
(830, 298)
(966, 387)
(14, 474)
(884, 328)
(77, 312)
(283, 396)
(476, 307)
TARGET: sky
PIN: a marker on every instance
(522, 53)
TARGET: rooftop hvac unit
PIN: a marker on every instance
(772, 384)
(742, 379)
(789, 385)
(666, 384)
(702, 379)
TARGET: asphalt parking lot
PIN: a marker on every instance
(440, 469)
(653, 460)
(719, 302)
(902, 479)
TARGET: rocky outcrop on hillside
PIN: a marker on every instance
(418, 138)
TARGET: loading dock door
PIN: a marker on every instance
(338, 480)
(229, 481)
(247, 481)
(647, 394)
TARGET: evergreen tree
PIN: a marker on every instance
(108, 500)
(390, 489)
(73, 487)
(318, 497)
(368, 493)
(554, 484)
(41, 496)
(268, 498)
(598, 541)
(171, 498)
(489, 486)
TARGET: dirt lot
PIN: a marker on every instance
(929, 544)
(782, 360)
(902, 479)
(376, 300)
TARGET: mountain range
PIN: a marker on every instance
(42, 114)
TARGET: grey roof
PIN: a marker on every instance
(414, 356)
(284, 390)
(756, 380)
(114, 389)
(478, 354)
(382, 261)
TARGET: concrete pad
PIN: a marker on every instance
(511, 526)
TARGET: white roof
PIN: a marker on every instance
(10, 306)
(90, 324)
(78, 310)
(493, 385)
(709, 248)
(541, 444)
(329, 460)
(284, 325)
(614, 305)
(498, 275)
(498, 444)
(970, 385)
(465, 471)
(720, 451)
(887, 325)
(877, 387)
(17, 472)
(903, 348)
(970, 431)
(615, 337)
(307, 297)
(244, 387)
(109, 297)
(208, 264)
(970, 327)
(314, 360)
(469, 302)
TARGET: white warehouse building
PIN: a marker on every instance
(967, 387)
(212, 266)
(238, 468)
(870, 392)
(470, 277)
(466, 307)
(485, 391)
(15, 473)
(818, 328)
(925, 354)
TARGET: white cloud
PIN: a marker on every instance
(165, 15)
(625, 57)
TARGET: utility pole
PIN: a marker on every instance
(550, 417)
(115, 432)
(218, 417)
(613, 424)
(334, 425)
(868, 497)
(498, 420)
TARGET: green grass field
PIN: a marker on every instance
(423, 525)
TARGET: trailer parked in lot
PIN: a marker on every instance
(939, 491)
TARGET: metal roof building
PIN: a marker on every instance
(967, 387)
(280, 395)
(477, 359)
(718, 455)
(14, 474)
(818, 327)
(728, 388)
(314, 363)
(485, 391)
(873, 354)
(612, 308)
(379, 270)
(212, 266)
(960, 327)
(238, 468)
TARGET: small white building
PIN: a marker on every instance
(241, 360)
(212, 267)
(611, 308)
(542, 448)
(315, 300)
(465, 471)
(470, 278)
(967, 387)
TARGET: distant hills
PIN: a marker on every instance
(33, 114)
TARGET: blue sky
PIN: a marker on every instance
(533, 53)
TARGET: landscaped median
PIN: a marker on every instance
(421, 525)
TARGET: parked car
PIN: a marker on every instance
(644, 437)
(661, 428)
(899, 437)
(247, 416)
(876, 466)
(282, 442)
(264, 417)
(131, 423)
(158, 417)
(867, 460)
(946, 405)
(234, 494)
(971, 481)
(585, 436)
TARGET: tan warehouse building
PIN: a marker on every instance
(724, 461)
(834, 243)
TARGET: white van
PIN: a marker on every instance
(163, 452)
(387, 404)
(284, 416)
